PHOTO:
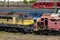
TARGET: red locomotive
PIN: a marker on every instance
(48, 22)
(46, 4)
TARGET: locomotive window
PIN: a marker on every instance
(43, 3)
(40, 24)
(35, 14)
(50, 3)
(25, 16)
(58, 4)
(36, 4)
(47, 3)
(40, 3)
(52, 19)
(58, 20)
(21, 16)
(42, 19)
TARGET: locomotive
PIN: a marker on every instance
(25, 22)
(46, 4)
(21, 22)
(48, 22)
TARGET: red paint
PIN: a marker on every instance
(52, 22)
(46, 5)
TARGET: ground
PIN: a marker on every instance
(19, 36)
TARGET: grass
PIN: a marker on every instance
(19, 36)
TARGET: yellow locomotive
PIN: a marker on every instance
(18, 21)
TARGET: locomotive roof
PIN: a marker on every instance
(8, 15)
(19, 15)
(46, 14)
(49, 15)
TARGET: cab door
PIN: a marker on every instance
(46, 22)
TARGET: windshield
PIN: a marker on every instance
(25, 16)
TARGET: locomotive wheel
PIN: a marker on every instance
(1, 29)
(38, 32)
(8, 30)
(24, 32)
(30, 31)
(43, 32)
(21, 30)
(50, 33)
(54, 32)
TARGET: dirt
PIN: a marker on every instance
(19, 36)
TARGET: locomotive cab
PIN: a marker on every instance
(26, 19)
(21, 21)
(42, 22)
(48, 22)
